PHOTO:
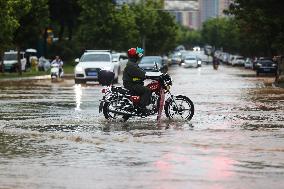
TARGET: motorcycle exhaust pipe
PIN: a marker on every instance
(121, 113)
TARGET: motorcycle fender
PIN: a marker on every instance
(101, 106)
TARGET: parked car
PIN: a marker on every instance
(256, 59)
(248, 63)
(91, 62)
(225, 58)
(147, 63)
(266, 66)
(176, 59)
(231, 59)
(120, 59)
(10, 61)
(190, 61)
(238, 61)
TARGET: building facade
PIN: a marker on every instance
(186, 12)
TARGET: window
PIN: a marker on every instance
(95, 58)
(10, 56)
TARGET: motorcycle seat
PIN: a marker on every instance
(121, 90)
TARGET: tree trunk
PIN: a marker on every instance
(144, 44)
(61, 32)
(1, 62)
(19, 65)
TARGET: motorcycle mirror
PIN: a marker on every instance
(77, 60)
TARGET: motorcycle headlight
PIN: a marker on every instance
(78, 69)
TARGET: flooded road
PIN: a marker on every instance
(52, 136)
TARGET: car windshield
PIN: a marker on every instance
(146, 60)
(10, 56)
(266, 62)
(95, 58)
(190, 58)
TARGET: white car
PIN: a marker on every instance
(190, 61)
(10, 60)
(120, 59)
(91, 62)
(248, 63)
(238, 61)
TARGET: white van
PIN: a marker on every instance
(10, 60)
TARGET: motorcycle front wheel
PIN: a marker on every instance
(179, 108)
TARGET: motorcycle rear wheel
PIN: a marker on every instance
(111, 115)
(182, 108)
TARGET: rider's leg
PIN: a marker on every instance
(144, 93)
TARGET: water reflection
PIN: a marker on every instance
(78, 96)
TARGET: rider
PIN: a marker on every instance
(215, 62)
(58, 62)
(133, 77)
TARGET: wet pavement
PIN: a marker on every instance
(52, 136)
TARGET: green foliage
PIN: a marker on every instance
(32, 23)
(189, 38)
(261, 23)
(64, 14)
(222, 33)
(163, 36)
(126, 33)
(104, 26)
(97, 24)
(97, 21)
(11, 11)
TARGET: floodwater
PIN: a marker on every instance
(52, 136)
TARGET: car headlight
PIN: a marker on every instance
(274, 65)
(258, 64)
(78, 69)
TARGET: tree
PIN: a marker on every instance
(164, 37)
(125, 33)
(9, 20)
(32, 24)
(65, 13)
(189, 38)
(97, 21)
(146, 16)
(261, 21)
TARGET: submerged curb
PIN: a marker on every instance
(42, 77)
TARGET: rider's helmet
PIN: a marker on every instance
(140, 52)
(135, 54)
(132, 54)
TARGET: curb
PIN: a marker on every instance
(42, 77)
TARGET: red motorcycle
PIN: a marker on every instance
(119, 102)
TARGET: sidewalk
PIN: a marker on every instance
(42, 77)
